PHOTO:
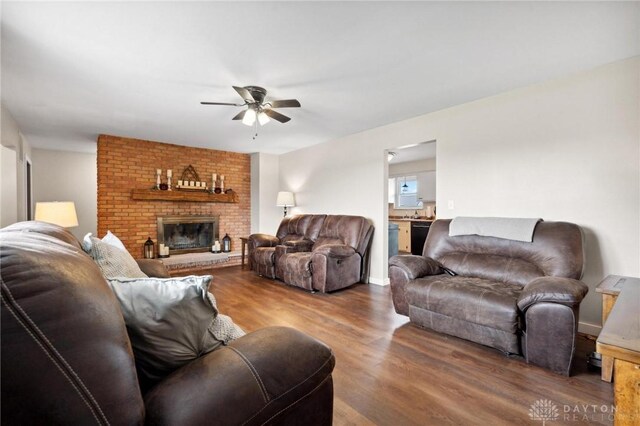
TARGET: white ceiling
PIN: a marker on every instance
(421, 151)
(71, 71)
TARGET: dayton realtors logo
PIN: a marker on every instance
(544, 410)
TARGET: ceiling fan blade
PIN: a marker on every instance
(220, 103)
(276, 115)
(240, 115)
(287, 103)
(246, 95)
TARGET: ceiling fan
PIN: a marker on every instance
(257, 108)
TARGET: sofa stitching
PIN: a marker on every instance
(254, 373)
(284, 393)
(296, 401)
(53, 360)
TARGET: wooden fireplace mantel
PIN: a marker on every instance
(178, 195)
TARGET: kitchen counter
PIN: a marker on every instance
(400, 219)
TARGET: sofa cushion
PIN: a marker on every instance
(300, 227)
(475, 300)
(171, 321)
(343, 229)
(264, 255)
(556, 250)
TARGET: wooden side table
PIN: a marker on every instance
(619, 341)
(244, 241)
(610, 288)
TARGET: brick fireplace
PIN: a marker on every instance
(188, 234)
(125, 164)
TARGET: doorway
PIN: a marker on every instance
(411, 196)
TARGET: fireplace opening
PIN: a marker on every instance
(188, 234)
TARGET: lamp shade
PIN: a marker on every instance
(285, 199)
(61, 213)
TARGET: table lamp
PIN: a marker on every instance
(61, 213)
(285, 199)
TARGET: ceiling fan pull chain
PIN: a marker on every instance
(256, 135)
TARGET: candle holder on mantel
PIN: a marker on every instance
(191, 181)
(158, 181)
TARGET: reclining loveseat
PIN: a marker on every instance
(315, 252)
(519, 297)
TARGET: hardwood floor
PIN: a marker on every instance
(389, 372)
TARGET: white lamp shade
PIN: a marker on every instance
(61, 213)
(285, 199)
(263, 118)
(249, 117)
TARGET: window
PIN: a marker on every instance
(407, 192)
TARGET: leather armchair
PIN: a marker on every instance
(518, 297)
(67, 359)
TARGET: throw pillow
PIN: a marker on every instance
(86, 243)
(110, 238)
(171, 321)
(113, 240)
(114, 262)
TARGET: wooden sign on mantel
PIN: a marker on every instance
(200, 197)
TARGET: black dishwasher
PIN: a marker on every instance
(419, 231)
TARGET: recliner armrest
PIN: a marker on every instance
(299, 245)
(263, 240)
(256, 379)
(565, 291)
(339, 251)
(153, 268)
(416, 266)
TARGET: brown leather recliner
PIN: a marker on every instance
(67, 359)
(296, 232)
(315, 252)
(519, 297)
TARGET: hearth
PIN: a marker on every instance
(188, 234)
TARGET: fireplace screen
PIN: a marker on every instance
(187, 234)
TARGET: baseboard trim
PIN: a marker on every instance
(378, 281)
(589, 328)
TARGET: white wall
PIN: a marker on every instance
(68, 176)
(567, 150)
(16, 148)
(265, 216)
(9, 187)
(408, 167)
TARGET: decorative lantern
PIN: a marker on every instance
(226, 244)
(149, 249)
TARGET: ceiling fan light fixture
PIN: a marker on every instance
(249, 117)
(263, 118)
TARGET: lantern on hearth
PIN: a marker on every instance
(149, 249)
(226, 244)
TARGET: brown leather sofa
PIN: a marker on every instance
(315, 252)
(519, 297)
(67, 359)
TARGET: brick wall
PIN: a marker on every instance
(125, 164)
